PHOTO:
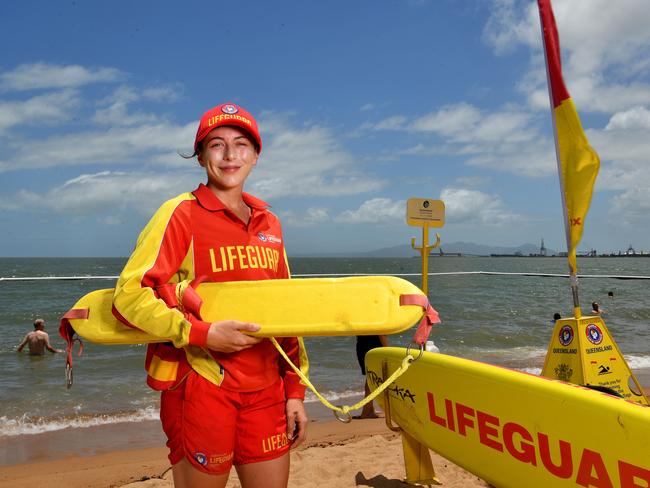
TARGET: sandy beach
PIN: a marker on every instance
(336, 455)
(361, 453)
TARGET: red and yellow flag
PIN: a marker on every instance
(578, 163)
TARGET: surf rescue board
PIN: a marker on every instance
(360, 305)
(514, 429)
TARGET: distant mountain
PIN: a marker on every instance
(464, 248)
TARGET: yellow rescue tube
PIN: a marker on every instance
(362, 305)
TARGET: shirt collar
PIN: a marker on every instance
(210, 201)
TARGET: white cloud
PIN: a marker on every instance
(111, 192)
(115, 108)
(624, 150)
(508, 139)
(632, 206)
(464, 123)
(311, 217)
(43, 110)
(112, 220)
(296, 161)
(117, 145)
(162, 93)
(118, 114)
(601, 56)
(391, 123)
(45, 75)
(374, 211)
(472, 181)
(635, 118)
(309, 160)
(454, 121)
(625, 158)
(509, 25)
(421, 149)
(467, 206)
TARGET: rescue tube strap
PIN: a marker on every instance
(67, 332)
(430, 316)
(189, 300)
(182, 295)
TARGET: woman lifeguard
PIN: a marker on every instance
(227, 398)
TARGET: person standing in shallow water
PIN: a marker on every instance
(227, 398)
(365, 344)
(595, 308)
(37, 340)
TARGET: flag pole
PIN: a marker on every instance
(573, 275)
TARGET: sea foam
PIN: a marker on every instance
(26, 425)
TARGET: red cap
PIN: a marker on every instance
(228, 114)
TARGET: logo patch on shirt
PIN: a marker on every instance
(269, 238)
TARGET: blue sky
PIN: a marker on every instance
(361, 105)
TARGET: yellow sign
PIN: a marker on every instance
(424, 211)
(583, 352)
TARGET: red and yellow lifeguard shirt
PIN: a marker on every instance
(195, 235)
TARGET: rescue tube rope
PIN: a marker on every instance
(342, 412)
(429, 318)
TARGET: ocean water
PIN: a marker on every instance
(504, 320)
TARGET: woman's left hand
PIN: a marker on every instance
(296, 421)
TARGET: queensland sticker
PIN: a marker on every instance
(566, 335)
(594, 334)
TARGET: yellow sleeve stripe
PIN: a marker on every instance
(137, 303)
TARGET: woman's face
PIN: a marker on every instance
(228, 156)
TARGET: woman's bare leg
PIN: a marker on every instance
(269, 474)
(187, 476)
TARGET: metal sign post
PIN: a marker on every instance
(425, 213)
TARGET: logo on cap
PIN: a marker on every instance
(229, 109)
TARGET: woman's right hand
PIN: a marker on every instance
(228, 336)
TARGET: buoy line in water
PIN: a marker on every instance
(313, 275)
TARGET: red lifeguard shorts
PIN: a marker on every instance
(215, 428)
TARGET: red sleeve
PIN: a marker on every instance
(162, 254)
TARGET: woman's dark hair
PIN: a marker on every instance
(195, 154)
